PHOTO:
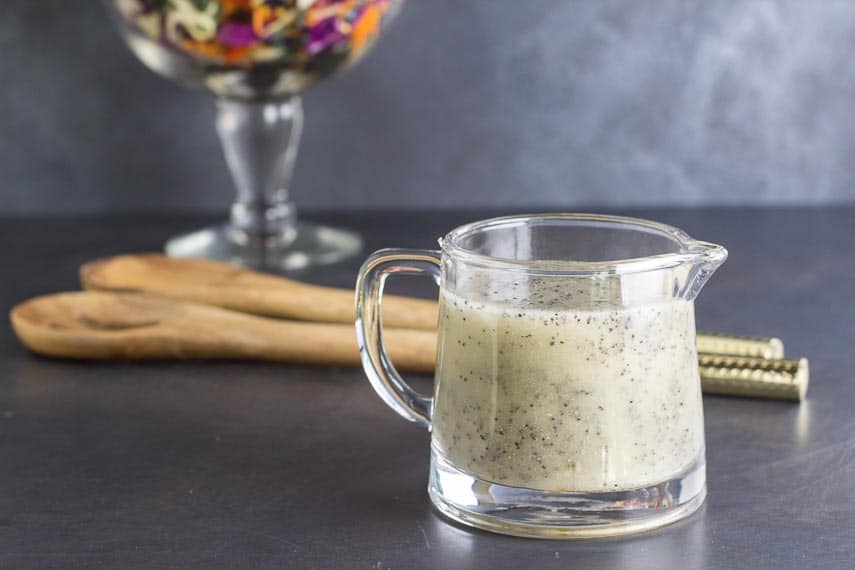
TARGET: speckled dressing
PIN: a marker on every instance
(532, 395)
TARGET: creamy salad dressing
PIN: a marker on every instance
(593, 399)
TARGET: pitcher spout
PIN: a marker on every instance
(706, 258)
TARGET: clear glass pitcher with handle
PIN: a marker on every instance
(567, 400)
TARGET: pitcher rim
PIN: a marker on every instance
(690, 251)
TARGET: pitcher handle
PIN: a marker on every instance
(369, 327)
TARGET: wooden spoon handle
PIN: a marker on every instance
(231, 287)
(101, 325)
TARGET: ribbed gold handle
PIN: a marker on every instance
(731, 345)
(754, 377)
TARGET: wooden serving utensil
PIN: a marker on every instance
(223, 285)
(133, 326)
(244, 290)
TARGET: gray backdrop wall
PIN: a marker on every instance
(465, 103)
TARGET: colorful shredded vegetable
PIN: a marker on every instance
(248, 32)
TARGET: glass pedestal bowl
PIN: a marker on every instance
(256, 56)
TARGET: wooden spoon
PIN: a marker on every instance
(231, 287)
(133, 326)
(102, 325)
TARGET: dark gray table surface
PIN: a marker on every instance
(250, 465)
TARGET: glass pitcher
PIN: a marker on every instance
(567, 400)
